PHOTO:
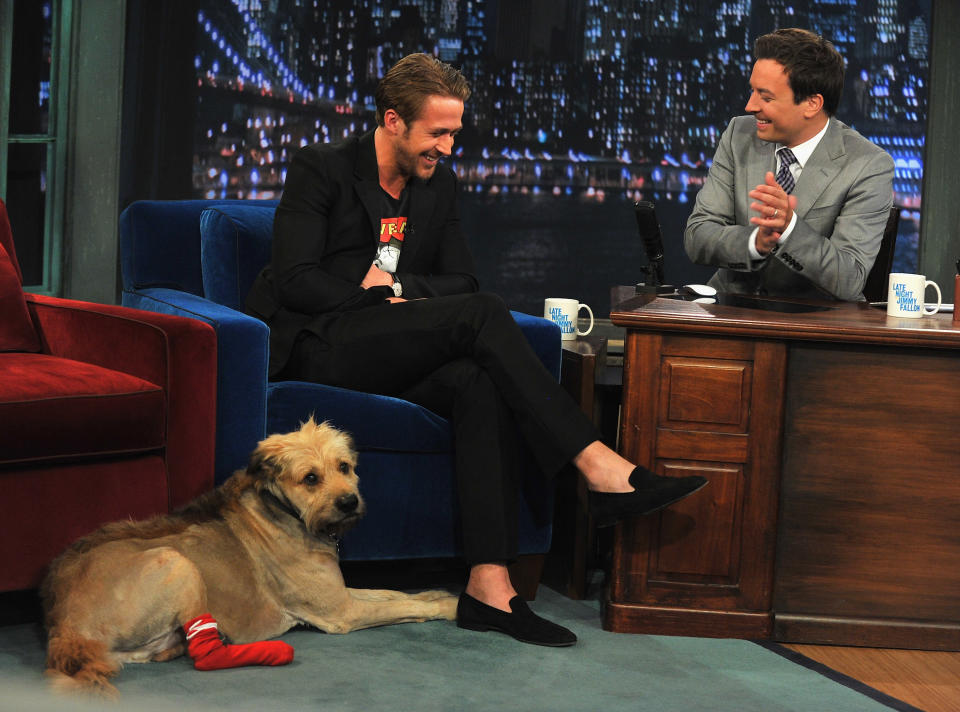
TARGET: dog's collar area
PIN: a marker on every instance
(271, 500)
(274, 502)
(281, 504)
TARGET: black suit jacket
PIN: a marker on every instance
(325, 237)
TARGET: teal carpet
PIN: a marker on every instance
(436, 666)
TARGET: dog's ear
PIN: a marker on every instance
(262, 467)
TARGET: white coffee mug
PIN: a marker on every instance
(564, 313)
(905, 295)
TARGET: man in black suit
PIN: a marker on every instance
(371, 287)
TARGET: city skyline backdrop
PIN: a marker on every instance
(585, 100)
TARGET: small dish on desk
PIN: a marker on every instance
(697, 290)
(700, 293)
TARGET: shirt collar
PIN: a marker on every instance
(805, 149)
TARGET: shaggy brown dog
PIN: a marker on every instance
(259, 553)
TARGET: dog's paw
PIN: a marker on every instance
(431, 595)
(94, 687)
(443, 602)
(448, 606)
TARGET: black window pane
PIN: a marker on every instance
(30, 77)
(26, 197)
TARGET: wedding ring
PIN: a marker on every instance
(776, 211)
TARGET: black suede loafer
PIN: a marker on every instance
(651, 492)
(522, 624)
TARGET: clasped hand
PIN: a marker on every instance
(376, 277)
(775, 210)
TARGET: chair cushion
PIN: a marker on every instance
(16, 327)
(53, 408)
(234, 247)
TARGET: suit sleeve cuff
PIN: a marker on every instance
(786, 233)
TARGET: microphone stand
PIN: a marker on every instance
(652, 285)
(650, 236)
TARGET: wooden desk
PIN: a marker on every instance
(831, 442)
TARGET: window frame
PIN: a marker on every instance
(55, 139)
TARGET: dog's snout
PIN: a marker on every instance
(348, 503)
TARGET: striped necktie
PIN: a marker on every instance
(784, 176)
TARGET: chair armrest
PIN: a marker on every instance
(544, 337)
(243, 348)
(179, 355)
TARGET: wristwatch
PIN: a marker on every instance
(397, 287)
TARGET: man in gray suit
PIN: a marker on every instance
(795, 202)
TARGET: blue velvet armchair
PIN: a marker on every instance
(198, 258)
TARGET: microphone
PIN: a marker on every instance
(652, 240)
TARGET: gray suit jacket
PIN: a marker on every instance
(844, 195)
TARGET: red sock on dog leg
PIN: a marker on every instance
(210, 653)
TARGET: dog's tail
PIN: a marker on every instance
(78, 664)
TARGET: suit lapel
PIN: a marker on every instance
(763, 161)
(367, 182)
(423, 198)
(822, 167)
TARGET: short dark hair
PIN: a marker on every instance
(407, 85)
(812, 64)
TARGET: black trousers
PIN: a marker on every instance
(465, 358)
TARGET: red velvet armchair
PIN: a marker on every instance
(106, 413)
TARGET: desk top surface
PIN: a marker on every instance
(856, 322)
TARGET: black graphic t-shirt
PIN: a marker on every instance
(393, 228)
